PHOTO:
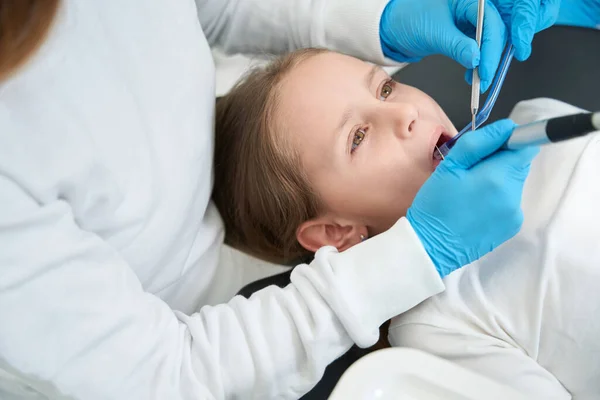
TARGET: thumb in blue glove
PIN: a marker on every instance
(412, 29)
(472, 202)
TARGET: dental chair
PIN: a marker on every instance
(564, 65)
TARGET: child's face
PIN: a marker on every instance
(366, 144)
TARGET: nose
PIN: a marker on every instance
(402, 118)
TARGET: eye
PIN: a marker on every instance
(386, 89)
(359, 135)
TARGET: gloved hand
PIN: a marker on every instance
(524, 18)
(472, 202)
(412, 29)
(584, 13)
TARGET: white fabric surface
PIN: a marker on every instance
(527, 314)
(108, 240)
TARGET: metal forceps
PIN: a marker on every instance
(485, 111)
(476, 84)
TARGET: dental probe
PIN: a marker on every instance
(553, 130)
(476, 86)
(439, 153)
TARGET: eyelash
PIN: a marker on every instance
(361, 133)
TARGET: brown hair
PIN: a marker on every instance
(260, 189)
(24, 25)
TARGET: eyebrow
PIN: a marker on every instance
(368, 83)
(371, 75)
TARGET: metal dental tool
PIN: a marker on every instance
(553, 130)
(487, 106)
(476, 86)
(439, 153)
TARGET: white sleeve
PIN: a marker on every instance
(277, 26)
(77, 323)
(483, 354)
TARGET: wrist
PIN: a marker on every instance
(380, 278)
(430, 244)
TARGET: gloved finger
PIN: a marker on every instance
(475, 146)
(493, 40)
(459, 47)
(549, 11)
(469, 76)
(523, 24)
(514, 163)
(510, 168)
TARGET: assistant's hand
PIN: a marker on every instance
(472, 202)
(524, 18)
(584, 13)
(412, 29)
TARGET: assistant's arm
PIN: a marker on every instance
(76, 319)
(275, 26)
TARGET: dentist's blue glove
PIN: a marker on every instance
(472, 202)
(412, 29)
(524, 18)
(584, 13)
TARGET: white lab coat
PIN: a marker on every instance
(108, 241)
(528, 314)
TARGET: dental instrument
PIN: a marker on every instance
(476, 86)
(553, 130)
(439, 152)
(484, 113)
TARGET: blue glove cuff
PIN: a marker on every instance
(435, 258)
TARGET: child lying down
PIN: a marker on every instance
(321, 149)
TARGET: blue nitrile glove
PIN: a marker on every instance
(584, 13)
(472, 202)
(412, 29)
(524, 18)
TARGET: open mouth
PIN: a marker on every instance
(436, 154)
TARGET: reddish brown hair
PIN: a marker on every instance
(24, 25)
(260, 189)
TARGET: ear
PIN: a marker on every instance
(324, 231)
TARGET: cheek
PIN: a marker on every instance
(405, 173)
(379, 185)
(395, 182)
(408, 183)
(336, 190)
(441, 116)
(390, 197)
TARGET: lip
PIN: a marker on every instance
(439, 133)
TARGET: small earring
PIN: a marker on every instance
(362, 238)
